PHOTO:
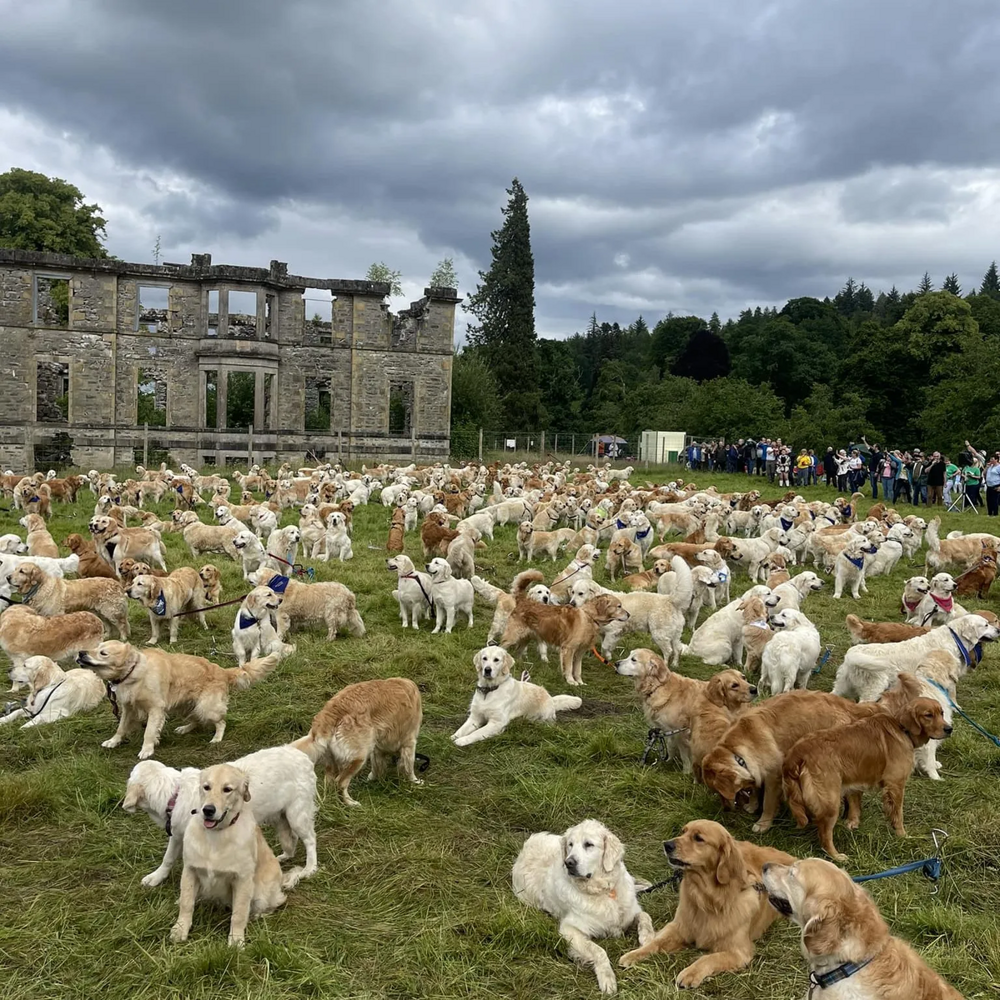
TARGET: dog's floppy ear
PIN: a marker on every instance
(477, 659)
(730, 867)
(909, 685)
(508, 660)
(614, 851)
(716, 691)
(246, 789)
(823, 931)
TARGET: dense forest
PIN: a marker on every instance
(906, 368)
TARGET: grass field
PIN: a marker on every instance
(413, 895)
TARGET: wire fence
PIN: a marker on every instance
(534, 446)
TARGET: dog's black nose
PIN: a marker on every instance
(487, 671)
(669, 846)
(753, 692)
(948, 730)
(208, 810)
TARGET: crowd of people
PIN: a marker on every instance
(911, 476)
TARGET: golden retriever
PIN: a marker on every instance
(726, 695)
(572, 630)
(149, 683)
(224, 860)
(877, 752)
(328, 602)
(164, 596)
(376, 719)
(580, 879)
(844, 938)
(120, 542)
(750, 754)
(435, 535)
(211, 584)
(91, 564)
(624, 556)
(40, 541)
(862, 631)
(25, 633)
(721, 909)
(52, 595)
(756, 631)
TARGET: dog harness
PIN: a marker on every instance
(278, 583)
(824, 980)
(160, 606)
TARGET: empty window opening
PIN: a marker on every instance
(211, 399)
(243, 315)
(153, 309)
(151, 398)
(208, 460)
(318, 311)
(400, 407)
(270, 316)
(54, 453)
(318, 399)
(52, 392)
(51, 301)
(240, 389)
(213, 313)
(152, 456)
(268, 396)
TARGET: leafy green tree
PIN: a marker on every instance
(936, 326)
(991, 282)
(504, 307)
(951, 284)
(384, 274)
(705, 357)
(828, 418)
(562, 394)
(48, 214)
(986, 313)
(926, 285)
(444, 275)
(475, 402)
(864, 301)
(669, 338)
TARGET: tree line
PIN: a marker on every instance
(914, 368)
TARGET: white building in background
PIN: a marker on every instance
(661, 447)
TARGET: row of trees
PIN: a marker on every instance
(906, 368)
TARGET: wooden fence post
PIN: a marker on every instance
(480, 444)
(250, 446)
(145, 446)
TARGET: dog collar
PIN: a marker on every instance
(620, 524)
(760, 623)
(171, 802)
(247, 621)
(486, 691)
(856, 563)
(824, 980)
(29, 594)
(966, 657)
(944, 603)
(847, 510)
(160, 606)
(278, 583)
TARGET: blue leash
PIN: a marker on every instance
(822, 660)
(972, 722)
(931, 867)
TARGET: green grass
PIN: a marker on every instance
(413, 894)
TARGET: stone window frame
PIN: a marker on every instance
(58, 276)
(168, 398)
(168, 285)
(54, 359)
(408, 385)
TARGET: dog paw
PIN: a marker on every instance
(761, 826)
(852, 824)
(348, 801)
(153, 879)
(417, 781)
(236, 942)
(606, 981)
(146, 752)
(178, 934)
(151, 642)
(688, 979)
(111, 744)
(630, 958)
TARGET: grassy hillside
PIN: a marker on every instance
(413, 895)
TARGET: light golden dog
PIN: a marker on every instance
(756, 631)
(25, 633)
(845, 941)
(624, 556)
(53, 595)
(202, 538)
(116, 542)
(164, 596)
(211, 584)
(862, 631)
(149, 683)
(301, 603)
(376, 719)
(721, 909)
(726, 695)
(224, 860)
(40, 541)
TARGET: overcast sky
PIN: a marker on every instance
(683, 156)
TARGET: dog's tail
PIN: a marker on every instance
(931, 534)
(525, 580)
(793, 777)
(310, 746)
(250, 673)
(486, 590)
(854, 626)
(566, 702)
(683, 590)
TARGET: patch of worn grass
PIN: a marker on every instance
(412, 898)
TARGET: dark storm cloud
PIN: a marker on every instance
(686, 155)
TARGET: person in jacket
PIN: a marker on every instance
(935, 479)
(902, 481)
(830, 466)
(887, 472)
(875, 460)
(993, 485)
(918, 476)
(802, 466)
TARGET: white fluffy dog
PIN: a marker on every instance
(282, 548)
(581, 880)
(449, 595)
(413, 590)
(719, 639)
(251, 551)
(52, 567)
(868, 669)
(793, 592)
(254, 631)
(53, 693)
(789, 658)
(938, 605)
(850, 566)
(283, 788)
(500, 698)
(890, 551)
(338, 541)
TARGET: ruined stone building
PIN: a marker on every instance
(102, 362)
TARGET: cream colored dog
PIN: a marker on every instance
(164, 597)
(499, 699)
(328, 602)
(254, 631)
(226, 857)
(53, 693)
(580, 879)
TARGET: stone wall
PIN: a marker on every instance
(106, 343)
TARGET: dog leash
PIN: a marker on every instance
(822, 660)
(972, 722)
(658, 738)
(209, 607)
(296, 568)
(672, 880)
(931, 867)
(38, 711)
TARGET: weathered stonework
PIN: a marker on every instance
(111, 335)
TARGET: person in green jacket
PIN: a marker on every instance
(952, 480)
(973, 474)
